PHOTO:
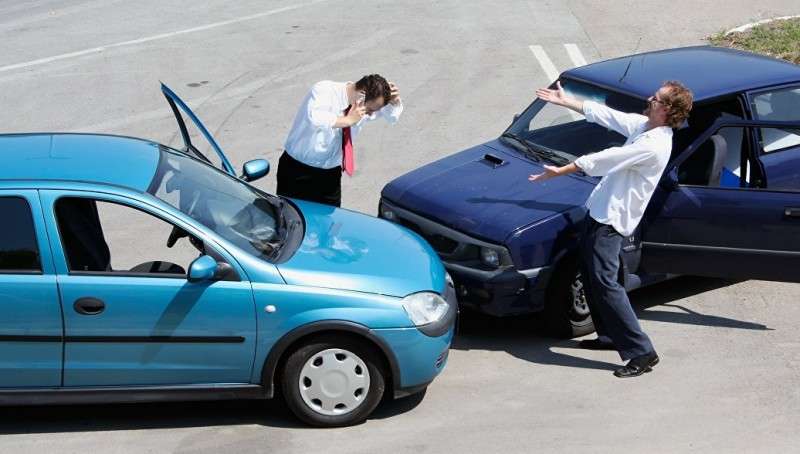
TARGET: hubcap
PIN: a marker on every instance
(334, 382)
(580, 308)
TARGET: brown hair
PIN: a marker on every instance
(374, 86)
(678, 102)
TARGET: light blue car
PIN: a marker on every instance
(130, 271)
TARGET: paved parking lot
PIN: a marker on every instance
(730, 354)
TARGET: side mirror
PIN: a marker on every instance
(516, 117)
(203, 268)
(255, 169)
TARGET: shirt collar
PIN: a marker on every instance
(344, 102)
(658, 130)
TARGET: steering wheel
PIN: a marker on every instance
(176, 234)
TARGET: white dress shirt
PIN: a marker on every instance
(630, 172)
(313, 140)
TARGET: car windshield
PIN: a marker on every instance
(241, 214)
(556, 134)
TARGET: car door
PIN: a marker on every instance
(196, 138)
(715, 213)
(131, 316)
(30, 314)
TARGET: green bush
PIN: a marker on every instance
(780, 38)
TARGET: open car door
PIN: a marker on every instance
(179, 108)
(717, 213)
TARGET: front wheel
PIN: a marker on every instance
(333, 382)
(566, 311)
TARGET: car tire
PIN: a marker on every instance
(566, 312)
(333, 381)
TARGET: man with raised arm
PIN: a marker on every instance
(630, 174)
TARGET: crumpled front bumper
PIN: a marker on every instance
(501, 292)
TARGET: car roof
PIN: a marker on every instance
(710, 72)
(91, 158)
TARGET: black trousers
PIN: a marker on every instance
(301, 181)
(613, 316)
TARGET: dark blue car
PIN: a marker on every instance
(728, 204)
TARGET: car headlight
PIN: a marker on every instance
(425, 307)
(490, 257)
(387, 213)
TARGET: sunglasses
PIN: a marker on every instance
(653, 100)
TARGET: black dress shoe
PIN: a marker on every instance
(638, 366)
(596, 344)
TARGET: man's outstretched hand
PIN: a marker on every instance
(549, 172)
(556, 96)
(553, 171)
(560, 98)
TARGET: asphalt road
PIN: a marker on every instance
(730, 355)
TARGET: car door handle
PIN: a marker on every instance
(89, 306)
(791, 212)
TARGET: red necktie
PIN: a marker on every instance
(348, 158)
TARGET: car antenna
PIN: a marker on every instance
(630, 60)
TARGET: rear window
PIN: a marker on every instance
(18, 249)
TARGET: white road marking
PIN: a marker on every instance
(52, 15)
(243, 91)
(19, 6)
(544, 61)
(550, 69)
(575, 54)
(147, 39)
(746, 27)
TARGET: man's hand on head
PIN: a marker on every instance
(394, 99)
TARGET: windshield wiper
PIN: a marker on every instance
(550, 155)
(537, 152)
(526, 147)
(284, 228)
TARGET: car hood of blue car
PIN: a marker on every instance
(473, 195)
(346, 250)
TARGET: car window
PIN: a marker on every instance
(18, 249)
(703, 117)
(778, 105)
(568, 133)
(232, 209)
(724, 160)
(106, 237)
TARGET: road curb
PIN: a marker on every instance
(745, 27)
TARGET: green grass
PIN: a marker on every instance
(779, 39)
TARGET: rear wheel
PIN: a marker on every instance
(566, 310)
(333, 382)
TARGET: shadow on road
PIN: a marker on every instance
(522, 337)
(170, 415)
(525, 338)
(663, 294)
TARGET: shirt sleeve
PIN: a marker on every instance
(320, 108)
(624, 123)
(614, 158)
(392, 112)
